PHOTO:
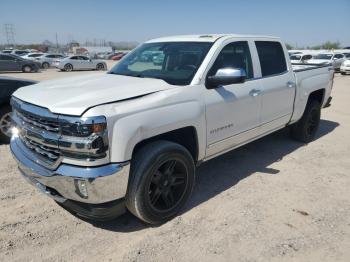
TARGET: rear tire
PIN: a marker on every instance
(68, 68)
(306, 128)
(27, 69)
(161, 180)
(45, 65)
(5, 124)
(100, 67)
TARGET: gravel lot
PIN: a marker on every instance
(272, 200)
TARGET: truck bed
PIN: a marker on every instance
(310, 77)
(298, 67)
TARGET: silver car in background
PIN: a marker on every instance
(80, 62)
(33, 56)
(48, 59)
(328, 58)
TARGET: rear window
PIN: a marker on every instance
(271, 56)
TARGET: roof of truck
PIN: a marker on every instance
(203, 38)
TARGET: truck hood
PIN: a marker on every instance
(74, 95)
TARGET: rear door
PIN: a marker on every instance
(86, 63)
(74, 60)
(277, 84)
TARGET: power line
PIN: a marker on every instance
(9, 31)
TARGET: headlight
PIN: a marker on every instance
(83, 138)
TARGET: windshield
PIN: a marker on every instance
(323, 56)
(295, 57)
(35, 55)
(174, 62)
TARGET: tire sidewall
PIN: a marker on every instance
(100, 67)
(300, 132)
(27, 67)
(137, 197)
(68, 67)
(4, 110)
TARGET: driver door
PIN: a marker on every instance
(232, 111)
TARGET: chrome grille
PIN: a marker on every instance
(49, 154)
(38, 121)
(39, 131)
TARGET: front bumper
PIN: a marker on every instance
(345, 69)
(102, 184)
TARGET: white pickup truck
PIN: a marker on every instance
(131, 138)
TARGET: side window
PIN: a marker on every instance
(83, 58)
(7, 58)
(234, 55)
(307, 57)
(50, 56)
(271, 56)
(338, 56)
(74, 58)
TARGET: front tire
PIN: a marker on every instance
(5, 124)
(45, 65)
(162, 177)
(343, 73)
(306, 128)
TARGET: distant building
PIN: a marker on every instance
(91, 50)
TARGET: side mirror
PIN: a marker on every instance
(226, 76)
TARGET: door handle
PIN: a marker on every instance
(290, 84)
(255, 92)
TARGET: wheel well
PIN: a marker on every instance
(317, 95)
(187, 137)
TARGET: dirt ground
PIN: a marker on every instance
(272, 200)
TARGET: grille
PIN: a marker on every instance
(39, 134)
(48, 154)
(39, 122)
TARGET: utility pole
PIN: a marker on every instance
(9, 34)
(56, 41)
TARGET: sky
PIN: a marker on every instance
(297, 22)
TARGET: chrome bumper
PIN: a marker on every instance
(102, 184)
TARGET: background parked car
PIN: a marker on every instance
(8, 85)
(20, 52)
(15, 52)
(7, 51)
(300, 58)
(32, 56)
(110, 56)
(345, 67)
(47, 59)
(324, 58)
(119, 56)
(9, 62)
(79, 62)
